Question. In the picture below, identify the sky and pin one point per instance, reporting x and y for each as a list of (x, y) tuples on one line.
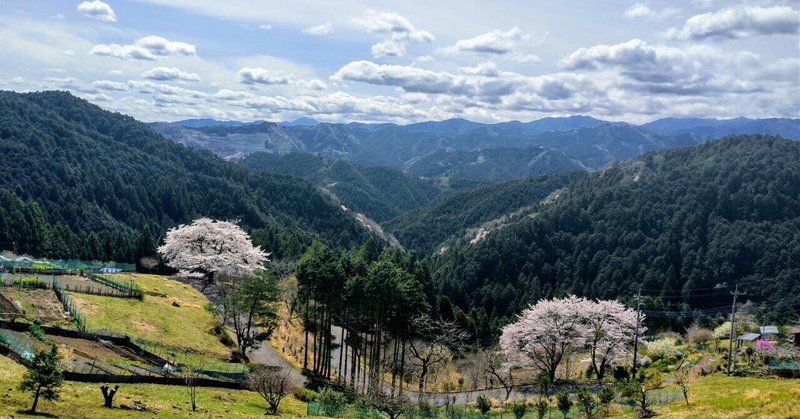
[(408, 61)]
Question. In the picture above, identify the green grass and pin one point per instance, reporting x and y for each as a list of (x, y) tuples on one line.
[(84, 400), (720, 396), (185, 329)]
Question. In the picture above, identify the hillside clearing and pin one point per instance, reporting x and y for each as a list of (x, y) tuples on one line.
[(179, 321)]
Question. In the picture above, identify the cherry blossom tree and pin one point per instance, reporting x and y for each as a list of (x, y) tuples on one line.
[(609, 327), (550, 330), (209, 248), (545, 333)]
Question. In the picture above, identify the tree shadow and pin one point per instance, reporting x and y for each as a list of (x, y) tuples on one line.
[(42, 414)]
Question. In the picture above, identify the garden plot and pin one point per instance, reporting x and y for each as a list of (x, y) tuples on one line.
[(38, 304), (8, 310)]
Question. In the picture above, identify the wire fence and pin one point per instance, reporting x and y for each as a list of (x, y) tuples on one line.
[(70, 308), (128, 288), (15, 345)]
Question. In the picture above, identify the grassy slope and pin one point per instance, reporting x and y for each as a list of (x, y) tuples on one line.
[(155, 319), (83, 400), (720, 396)]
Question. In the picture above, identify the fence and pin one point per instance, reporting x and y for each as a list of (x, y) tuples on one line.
[(26, 264), (128, 289), (16, 346), (69, 305)]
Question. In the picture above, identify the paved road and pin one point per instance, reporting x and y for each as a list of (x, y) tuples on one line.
[(265, 354)]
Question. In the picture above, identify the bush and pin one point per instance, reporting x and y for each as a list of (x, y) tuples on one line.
[(541, 408), (698, 336), (483, 403), (426, 410), (333, 402), (587, 401), (662, 348), (621, 373), (519, 409), (722, 331), (305, 395), (606, 396), (38, 333), (564, 403)]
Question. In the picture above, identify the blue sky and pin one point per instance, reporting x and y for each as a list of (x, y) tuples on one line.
[(402, 61)]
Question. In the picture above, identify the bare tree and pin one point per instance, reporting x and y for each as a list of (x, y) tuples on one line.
[(436, 341), (682, 377), (392, 405), (272, 384), (496, 365), (191, 376)]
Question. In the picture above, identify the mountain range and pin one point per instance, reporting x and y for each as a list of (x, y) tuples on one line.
[(455, 150)]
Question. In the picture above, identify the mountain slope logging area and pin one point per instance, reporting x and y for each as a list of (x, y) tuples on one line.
[(567, 267)]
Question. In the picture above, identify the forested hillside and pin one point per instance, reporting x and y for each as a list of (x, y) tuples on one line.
[(685, 225), (450, 217), (77, 181), (379, 192), (493, 164)]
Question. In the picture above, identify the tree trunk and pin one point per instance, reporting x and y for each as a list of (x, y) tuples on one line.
[(108, 395), (36, 399), (305, 349), (402, 366)]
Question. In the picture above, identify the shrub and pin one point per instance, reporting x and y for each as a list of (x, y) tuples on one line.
[(519, 409), (621, 373), (606, 396), (722, 331), (426, 410), (305, 395), (662, 348), (587, 401), (564, 403), (38, 333), (698, 336), (333, 402), (541, 408), (483, 403)]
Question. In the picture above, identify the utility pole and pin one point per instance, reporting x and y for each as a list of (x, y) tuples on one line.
[(731, 354), (636, 337)]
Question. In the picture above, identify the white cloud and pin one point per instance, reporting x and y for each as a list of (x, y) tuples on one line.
[(147, 48), (495, 42), (96, 9), (488, 69), (512, 45), (698, 70), (319, 30), (260, 75), (162, 90), (110, 85), (739, 22), (265, 26), (314, 84), (396, 29), (413, 79), (169, 73), (642, 10)]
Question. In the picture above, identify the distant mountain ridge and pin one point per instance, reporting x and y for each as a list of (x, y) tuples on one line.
[(589, 142)]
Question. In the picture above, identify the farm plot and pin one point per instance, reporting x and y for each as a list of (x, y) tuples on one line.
[(8, 310), (38, 304)]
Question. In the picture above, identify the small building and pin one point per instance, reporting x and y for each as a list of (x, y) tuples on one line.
[(769, 332), (746, 338), (794, 333)]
